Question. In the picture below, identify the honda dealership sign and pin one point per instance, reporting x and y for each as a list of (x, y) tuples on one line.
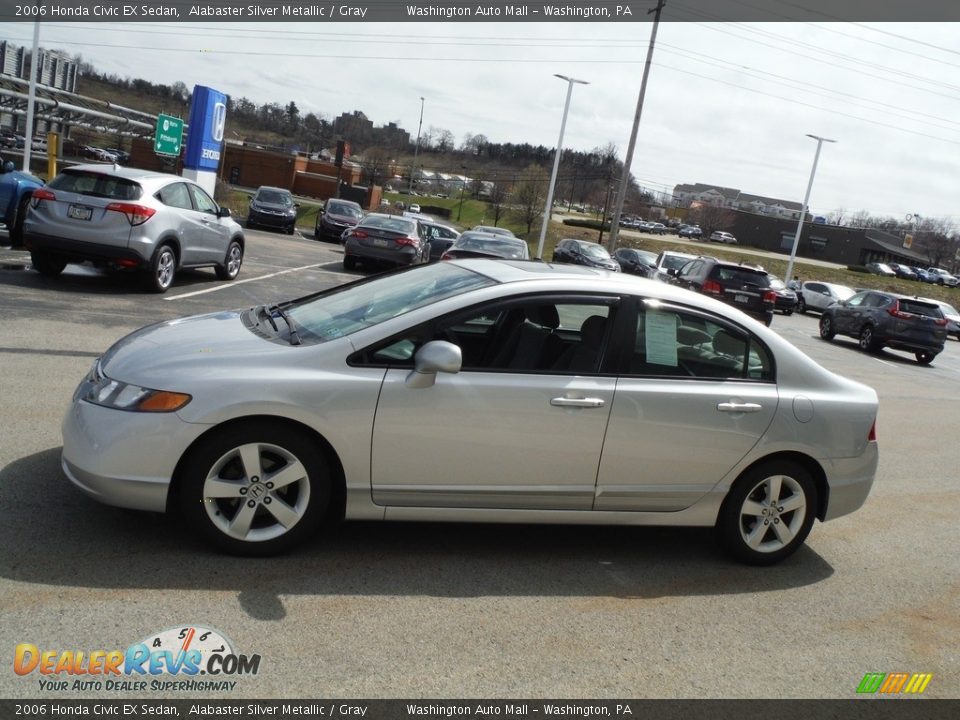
[(208, 115)]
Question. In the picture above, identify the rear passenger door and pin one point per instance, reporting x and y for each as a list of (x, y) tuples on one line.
[(694, 397), (188, 223)]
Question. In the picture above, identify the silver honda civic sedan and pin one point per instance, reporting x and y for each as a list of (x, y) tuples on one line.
[(480, 391)]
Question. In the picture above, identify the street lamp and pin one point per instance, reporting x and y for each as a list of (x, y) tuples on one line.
[(806, 199), (416, 149), (463, 186), (556, 161)]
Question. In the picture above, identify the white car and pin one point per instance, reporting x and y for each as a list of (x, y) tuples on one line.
[(414, 208), (942, 277), (475, 391), (818, 296), (722, 237)]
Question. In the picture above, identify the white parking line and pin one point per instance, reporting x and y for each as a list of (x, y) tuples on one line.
[(224, 286)]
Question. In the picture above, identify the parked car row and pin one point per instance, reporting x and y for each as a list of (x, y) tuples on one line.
[(932, 275)]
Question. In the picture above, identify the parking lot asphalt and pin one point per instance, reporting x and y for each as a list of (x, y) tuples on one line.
[(421, 610)]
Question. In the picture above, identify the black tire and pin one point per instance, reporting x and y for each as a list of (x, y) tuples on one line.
[(827, 330), (231, 262), (215, 462), (925, 358), (867, 341), (16, 227), (801, 305), (163, 269), (764, 539), (788, 313), (349, 262), (47, 264)]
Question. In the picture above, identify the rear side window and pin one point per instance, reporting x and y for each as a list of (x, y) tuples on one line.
[(175, 195), (97, 185)]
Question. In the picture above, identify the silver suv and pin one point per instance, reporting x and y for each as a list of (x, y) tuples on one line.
[(134, 219)]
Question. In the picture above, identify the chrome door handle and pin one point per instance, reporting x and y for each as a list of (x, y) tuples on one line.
[(732, 407), (577, 402)]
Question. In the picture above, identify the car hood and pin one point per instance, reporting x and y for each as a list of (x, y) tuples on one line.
[(186, 350), (342, 219)]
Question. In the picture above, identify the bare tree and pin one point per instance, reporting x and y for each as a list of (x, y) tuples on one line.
[(711, 217), (529, 195), (498, 196)]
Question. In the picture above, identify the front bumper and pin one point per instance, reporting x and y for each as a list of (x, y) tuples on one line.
[(271, 220), (120, 458)]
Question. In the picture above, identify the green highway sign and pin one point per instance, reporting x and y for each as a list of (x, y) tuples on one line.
[(169, 135)]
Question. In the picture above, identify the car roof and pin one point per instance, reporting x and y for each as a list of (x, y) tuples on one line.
[(123, 171), (275, 189)]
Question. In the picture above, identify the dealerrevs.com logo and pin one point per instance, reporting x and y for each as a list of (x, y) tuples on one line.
[(894, 683), (189, 658)]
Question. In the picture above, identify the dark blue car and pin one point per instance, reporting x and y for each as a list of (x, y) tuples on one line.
[(15, 190)]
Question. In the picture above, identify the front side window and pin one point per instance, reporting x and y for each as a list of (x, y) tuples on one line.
[(671, 342), (536, 335), (201, 201)]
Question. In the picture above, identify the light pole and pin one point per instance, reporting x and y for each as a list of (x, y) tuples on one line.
[(556, 162), (806, 199), (463, 186), (416, 149)]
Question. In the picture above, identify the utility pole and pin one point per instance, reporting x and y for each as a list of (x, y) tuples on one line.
[(416, 150), (625, 177), (31, 99)]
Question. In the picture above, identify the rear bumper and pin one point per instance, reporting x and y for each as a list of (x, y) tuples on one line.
[(850, 480), (406, 256), (79, 250)]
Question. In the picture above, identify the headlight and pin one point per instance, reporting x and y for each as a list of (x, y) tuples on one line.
[(101, 390)]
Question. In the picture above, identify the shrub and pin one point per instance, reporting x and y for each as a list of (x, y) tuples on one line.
[(858, 268)]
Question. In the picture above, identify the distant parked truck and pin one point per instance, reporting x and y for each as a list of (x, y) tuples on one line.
[(942, 277)]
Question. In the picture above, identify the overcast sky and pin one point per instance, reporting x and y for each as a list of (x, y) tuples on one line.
[(727, 103)]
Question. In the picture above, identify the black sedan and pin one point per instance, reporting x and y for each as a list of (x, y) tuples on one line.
[(385, 239), (786, 300), (273, 207), (584, 252), (474, 244), (637, 262), (336, 217)]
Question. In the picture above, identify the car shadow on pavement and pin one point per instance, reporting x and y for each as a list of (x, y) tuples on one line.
[(54, 535), (884, 354)]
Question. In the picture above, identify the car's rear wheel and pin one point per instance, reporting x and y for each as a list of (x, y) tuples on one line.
[(827, 330), (925, 358), (163, 268), (256, 488), (231, 264), (868, 343), (16, 227), (768, 513), (46, 264)]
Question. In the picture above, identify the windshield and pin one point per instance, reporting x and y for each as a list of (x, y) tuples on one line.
[(494, 246), (349, 308), (275, 197), (675, 262), (595, 251), (842, 292), (343, 209), (776, 283)]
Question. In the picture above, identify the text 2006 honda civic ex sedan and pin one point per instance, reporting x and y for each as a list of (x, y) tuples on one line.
[(475, 390)]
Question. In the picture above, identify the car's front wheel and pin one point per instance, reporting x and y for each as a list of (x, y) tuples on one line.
[(768, 513), (827, 330), (163, 268), (232, 262), (256, 488)]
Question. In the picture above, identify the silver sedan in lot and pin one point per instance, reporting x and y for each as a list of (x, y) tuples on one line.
[(475, 390)]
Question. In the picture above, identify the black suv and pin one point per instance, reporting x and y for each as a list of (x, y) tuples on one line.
[(745, 288), (584, 252), (882, 319)]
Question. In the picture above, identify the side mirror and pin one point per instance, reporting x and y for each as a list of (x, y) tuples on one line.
[(673, 271), (296, 205), (224, 212), (436, 356), (321, 211)]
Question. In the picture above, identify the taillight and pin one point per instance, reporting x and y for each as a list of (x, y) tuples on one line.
[(897, 312), (412, 242), (446, 256), (42, 194), (942, 322), (770, 296), (358, 234), (872, 435), (136, 214), (713, 287)]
